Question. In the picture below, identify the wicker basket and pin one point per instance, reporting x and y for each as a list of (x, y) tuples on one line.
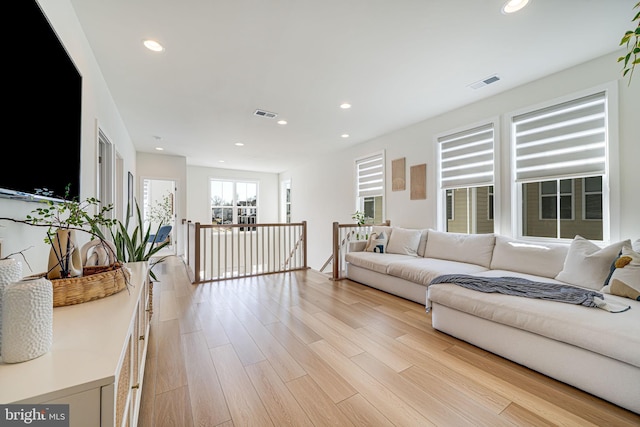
[(95, 283)]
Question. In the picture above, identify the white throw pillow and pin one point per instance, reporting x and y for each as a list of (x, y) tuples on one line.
[(404, 241), (470, 248), (625, 280), (377, 242), (540, 259), (587, 264)]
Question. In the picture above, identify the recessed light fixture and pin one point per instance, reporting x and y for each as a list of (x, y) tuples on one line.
[(239, 144), (153, 45), (220, 161), (512, 6), (345, 105), (345, 135), (282, 122), (159, 148)]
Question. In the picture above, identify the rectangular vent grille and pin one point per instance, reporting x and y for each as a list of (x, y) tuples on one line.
[(263, 113), (484, 82)]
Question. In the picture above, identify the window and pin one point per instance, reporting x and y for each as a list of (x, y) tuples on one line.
[(234, 202), (560, 162), (285, 197), (370, 187), (466, 172)]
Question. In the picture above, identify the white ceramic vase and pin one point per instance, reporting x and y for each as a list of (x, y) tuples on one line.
[(10, 271), (27, 320)]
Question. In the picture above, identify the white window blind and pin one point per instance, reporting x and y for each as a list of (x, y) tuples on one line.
[(564, 140), (466, 158), (370, 172)]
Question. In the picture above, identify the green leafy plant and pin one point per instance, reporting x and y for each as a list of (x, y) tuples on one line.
[(359, 217), (631, 40), (133, 247), (68, 214), (161, 212)]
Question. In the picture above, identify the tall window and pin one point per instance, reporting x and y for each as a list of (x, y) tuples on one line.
[(234, 202), (466, 179), (560, 164), (285, 199), (370, 187)]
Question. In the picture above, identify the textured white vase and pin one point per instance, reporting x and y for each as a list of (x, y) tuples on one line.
[(27, 320), (10, 271)]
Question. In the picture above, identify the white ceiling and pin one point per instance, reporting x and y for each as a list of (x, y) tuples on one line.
[(396, 61)]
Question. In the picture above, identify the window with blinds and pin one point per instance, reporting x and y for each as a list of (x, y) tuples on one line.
[(370, 179), (564, 140), (560, 160), (466, 171)]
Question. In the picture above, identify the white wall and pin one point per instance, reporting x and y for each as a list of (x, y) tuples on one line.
[(323, 191), (98, 109)]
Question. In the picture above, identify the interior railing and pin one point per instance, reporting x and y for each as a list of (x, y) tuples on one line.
[(215, 252), (344, 235)]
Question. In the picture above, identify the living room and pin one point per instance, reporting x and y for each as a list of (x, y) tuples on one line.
[(323, 189)]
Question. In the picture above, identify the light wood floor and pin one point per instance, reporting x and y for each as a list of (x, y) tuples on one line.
[(301, 350)]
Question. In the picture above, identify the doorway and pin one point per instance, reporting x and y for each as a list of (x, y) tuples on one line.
[(159, 196)]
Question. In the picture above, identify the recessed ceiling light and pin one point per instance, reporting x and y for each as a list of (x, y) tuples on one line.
[(514, 6), (153, 45), (220, 161), (345, 106), (282, 122), (345, 135), (159, 148), (239, 144)]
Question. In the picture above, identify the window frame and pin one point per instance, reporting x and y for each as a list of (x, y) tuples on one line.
[(360, 199), (610, 179), (234, 200), (441, 199)]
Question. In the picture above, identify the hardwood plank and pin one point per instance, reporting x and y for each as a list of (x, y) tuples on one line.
[(245, 405), (397, 410), (172, 409), (187, 316), (324, 376), (170, 362), (208, 406), (278, 400), (522, 417), (242, 342), (319, 407), (362, 413), (147, 399), (211, 327)]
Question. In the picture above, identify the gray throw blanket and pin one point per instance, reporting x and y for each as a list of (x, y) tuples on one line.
[(530, 289)]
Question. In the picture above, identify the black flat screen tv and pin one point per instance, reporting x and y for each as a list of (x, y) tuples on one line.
[(43, 108)]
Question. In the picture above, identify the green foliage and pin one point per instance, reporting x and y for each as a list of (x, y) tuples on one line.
[(133, 247), (631, 40), (161, 212), (359, 218)]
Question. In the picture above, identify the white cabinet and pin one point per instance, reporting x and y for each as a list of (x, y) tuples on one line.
[(96, 363)]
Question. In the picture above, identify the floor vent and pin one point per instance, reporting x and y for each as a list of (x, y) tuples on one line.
[(484, 82), (263, 113)]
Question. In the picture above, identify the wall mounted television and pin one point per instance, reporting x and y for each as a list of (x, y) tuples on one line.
[(42, 95)]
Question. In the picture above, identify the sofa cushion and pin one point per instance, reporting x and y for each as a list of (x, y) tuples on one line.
[(587, 264), (404, 241), (423, 241), (539, 259), (625, 280), (374, 261), (468, 248), (424, 270), (616, 335)]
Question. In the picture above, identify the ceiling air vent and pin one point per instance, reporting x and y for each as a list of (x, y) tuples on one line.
[(263, 113), (484, 82)]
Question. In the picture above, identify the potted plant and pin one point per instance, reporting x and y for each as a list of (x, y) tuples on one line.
[(133, 246), (631, 40), (62, 219)]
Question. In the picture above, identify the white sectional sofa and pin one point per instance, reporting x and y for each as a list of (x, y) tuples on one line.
[(590, 348)]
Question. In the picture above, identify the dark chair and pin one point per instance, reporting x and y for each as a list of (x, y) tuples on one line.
[(162, 235)]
